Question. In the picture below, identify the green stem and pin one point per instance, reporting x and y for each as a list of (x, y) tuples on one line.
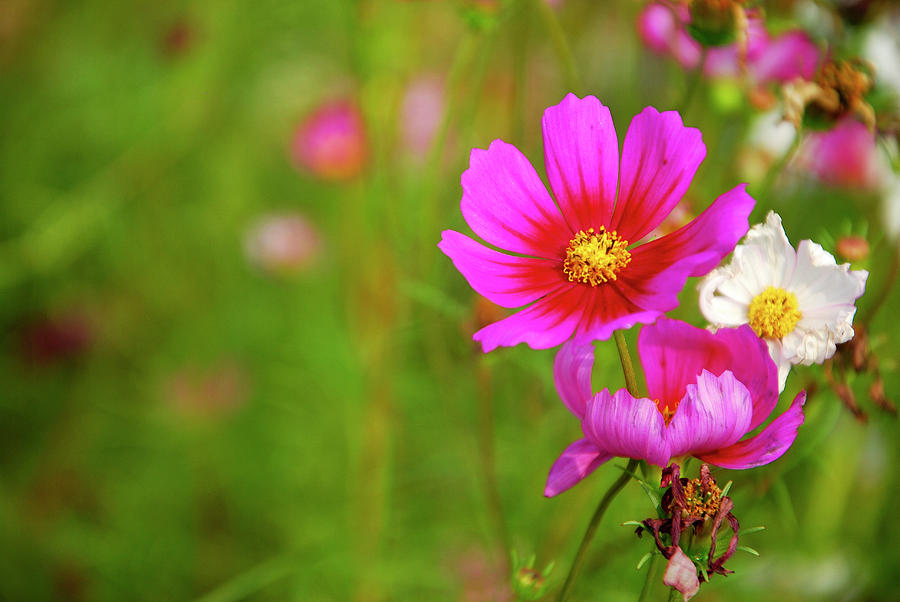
[(611, 493), (885, 289), (692, 84), (618, 484), (648, 580), (560, 45), (776, 169), (625, 359), (487, 459)]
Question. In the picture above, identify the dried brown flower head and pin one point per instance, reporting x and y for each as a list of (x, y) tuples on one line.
[(838, 90)]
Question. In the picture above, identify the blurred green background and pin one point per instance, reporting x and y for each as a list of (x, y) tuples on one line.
[(179, 422)]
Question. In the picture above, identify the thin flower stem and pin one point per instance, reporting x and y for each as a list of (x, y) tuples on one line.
[(627, 366), (618, 484), (885, 289), (560, 45), (673, 594), (776, 169), (692, 84), (487, 459), (611, 493), (648, 580)]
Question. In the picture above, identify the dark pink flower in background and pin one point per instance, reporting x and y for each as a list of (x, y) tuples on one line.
[(283, 243), (331, 142), (51, 339), (706, 391), (575, 263), (768, 59), (845, 156)]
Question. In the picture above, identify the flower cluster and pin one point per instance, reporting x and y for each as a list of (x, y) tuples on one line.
[(583, 261)]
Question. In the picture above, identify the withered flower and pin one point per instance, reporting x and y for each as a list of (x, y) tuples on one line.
[(697, 504), (856, 355), (838, 89)]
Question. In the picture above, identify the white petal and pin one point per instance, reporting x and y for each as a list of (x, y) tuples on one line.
[(723, 301)]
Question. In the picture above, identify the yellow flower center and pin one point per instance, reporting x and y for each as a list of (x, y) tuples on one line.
[(593, 257), (774, 313), (699, 503)]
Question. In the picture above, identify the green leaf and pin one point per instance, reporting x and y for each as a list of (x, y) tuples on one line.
[(748, 549), (644, 560)]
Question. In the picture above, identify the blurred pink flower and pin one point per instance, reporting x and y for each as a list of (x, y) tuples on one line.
[(421, 114), (283, 243), (662, 26), (846, 156), (331, 141), (705, 392), (578, 273)]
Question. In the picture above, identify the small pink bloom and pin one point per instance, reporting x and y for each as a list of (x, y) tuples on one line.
[(706, 391), (572, 262), (283, 243), (421, 114), (779, 59), (331, 142), (846, 156)]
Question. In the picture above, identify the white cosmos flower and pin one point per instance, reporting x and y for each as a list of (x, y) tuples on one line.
[(801, 302)]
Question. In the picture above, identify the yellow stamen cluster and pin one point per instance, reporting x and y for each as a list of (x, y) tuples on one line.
[(704, 505), (594, 257), (774, 313)]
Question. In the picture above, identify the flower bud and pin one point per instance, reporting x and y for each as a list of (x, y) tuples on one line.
[(716, 22), (852, 247)]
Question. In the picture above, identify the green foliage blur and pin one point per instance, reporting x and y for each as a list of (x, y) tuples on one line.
[(178, 422)]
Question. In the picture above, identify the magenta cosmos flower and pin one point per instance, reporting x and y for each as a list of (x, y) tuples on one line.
[(576, 264), (769, 59), (706, 391), (331, 142)]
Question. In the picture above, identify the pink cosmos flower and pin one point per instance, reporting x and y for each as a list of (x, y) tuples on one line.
[(706, 391), (778, 59), (331, 142), (845, 156), (574, 263)]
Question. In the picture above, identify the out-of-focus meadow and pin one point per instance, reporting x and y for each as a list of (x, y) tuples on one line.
[(228, 375)]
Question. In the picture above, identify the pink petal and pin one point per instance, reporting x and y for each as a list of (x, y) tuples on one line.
[(544, 324), (578, 461), (607, 308), (659, 268), (504, 279), (581, 154), (659, 160), (624, 426), (790, 55), (674, 354), (572, 375), (682, 575), (506, 204), (713, 414), (748, 357), (767, 446), (723, 61), (663, 32)]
